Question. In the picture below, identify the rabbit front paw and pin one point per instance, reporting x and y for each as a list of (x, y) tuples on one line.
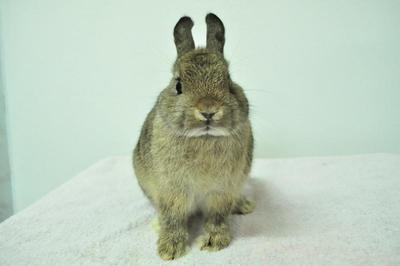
[(170, 247), (214, 241)]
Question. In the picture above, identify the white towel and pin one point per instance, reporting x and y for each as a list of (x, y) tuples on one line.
[(310, 211)]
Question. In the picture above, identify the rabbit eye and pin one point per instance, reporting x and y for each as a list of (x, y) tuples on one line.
[(178, 86)]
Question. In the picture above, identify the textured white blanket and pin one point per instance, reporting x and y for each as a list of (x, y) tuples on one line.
[(310, 211)]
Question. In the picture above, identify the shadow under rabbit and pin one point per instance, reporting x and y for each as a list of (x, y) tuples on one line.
[(271, 217)]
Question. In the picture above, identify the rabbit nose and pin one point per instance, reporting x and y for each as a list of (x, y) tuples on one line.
[(208, 116)]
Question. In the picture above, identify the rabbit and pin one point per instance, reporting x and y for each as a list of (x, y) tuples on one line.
[(195, 148)]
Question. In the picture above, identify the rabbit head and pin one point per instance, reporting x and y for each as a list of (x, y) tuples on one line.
[(201, 99)]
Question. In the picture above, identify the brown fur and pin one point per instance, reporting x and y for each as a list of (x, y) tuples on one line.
[(181, 167)]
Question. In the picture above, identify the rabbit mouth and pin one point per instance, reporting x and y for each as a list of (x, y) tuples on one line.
[(208, 130)]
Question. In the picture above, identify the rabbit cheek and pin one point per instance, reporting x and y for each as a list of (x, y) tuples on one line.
[(176, 120), (218, 115)]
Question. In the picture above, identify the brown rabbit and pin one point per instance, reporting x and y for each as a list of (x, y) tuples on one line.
[(195, 148)]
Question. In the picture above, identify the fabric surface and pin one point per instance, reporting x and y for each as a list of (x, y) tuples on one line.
[(310, 211)]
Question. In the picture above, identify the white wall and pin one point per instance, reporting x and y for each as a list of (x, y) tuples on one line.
[(323, 77)]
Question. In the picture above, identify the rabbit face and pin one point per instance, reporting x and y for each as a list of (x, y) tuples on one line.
[(201, 99)]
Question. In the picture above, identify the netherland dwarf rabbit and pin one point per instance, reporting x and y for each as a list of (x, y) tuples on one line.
[(196, 145)]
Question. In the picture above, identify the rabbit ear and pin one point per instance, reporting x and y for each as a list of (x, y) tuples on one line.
[(183, 35), (215, 33)]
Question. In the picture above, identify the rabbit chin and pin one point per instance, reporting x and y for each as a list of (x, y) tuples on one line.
[(208, 131)]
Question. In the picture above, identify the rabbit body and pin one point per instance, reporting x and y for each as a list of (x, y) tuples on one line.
[(195, 149), (166, 164)]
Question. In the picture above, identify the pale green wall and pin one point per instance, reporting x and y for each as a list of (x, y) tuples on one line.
[(6, 202), (323, 77)]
